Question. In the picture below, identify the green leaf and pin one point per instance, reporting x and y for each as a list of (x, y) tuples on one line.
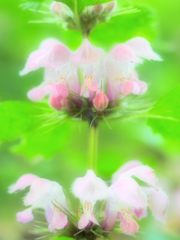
[(16, 118), (124, 26), (164, 118), (41, 131)]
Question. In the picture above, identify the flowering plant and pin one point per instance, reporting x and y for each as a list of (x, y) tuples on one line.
[(90, 84), (134, 189)]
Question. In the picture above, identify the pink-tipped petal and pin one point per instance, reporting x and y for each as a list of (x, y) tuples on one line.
[(143, 49), (124, 53), (84, 221), (58, 89), (133, 87), (128, 225), (100, 101), (25, 216), (56, 219), (37, 94), (51, 54), (126, 193), (22, 183)]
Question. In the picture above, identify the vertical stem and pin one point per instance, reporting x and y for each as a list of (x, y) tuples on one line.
[(93, 148)]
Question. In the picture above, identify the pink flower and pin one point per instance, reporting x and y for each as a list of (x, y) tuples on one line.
[(134, 191), (89, 189), (128, 199), (89, 73), (43, 194)]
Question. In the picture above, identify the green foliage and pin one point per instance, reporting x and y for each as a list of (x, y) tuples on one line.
[(164, 118), (40, 130), (136, 21)]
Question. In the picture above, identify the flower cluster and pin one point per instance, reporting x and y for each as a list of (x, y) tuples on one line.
[(134, 190), (88, 83)]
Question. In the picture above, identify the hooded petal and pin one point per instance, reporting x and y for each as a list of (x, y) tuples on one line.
[(51, 54), (87, 53), (126, 193), (143, 49), (90, 188), (142, 172), (22, 183)]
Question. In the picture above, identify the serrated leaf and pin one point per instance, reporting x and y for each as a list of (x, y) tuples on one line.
[(164, 118)]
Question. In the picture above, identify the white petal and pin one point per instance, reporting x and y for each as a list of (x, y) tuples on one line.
[(90, 188)]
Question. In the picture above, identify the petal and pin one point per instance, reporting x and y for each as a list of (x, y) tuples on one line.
[(128, 225), (56, 219), (86, 220), (126, 193), (22, 183), (110, 218), (158, 203), (37, 93), (83, 222), (25, 216), (43, 192), (136, 169), (90, 188), (87, 53), (51, 54), (126, 167), (143, 49), (58, 90), (124, 53)]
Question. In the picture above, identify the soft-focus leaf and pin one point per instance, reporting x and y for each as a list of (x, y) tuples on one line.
[(164, 118), (41, 130)]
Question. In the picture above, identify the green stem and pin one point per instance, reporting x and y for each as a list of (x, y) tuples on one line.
[(93, 147)]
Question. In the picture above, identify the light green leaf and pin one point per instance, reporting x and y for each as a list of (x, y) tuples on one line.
[(41, 131), (164, 118)]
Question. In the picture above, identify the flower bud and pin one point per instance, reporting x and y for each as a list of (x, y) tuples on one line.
[(100, 101), (56, 7), (109, 7)]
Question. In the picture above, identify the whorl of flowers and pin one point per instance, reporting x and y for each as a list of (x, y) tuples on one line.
[(133, 191), (88, 83)]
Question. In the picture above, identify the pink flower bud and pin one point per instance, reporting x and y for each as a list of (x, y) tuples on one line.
[(57, 102), (100, 101), (56, 7)]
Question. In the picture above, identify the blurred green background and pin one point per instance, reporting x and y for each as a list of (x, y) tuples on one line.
[(122, 141)]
